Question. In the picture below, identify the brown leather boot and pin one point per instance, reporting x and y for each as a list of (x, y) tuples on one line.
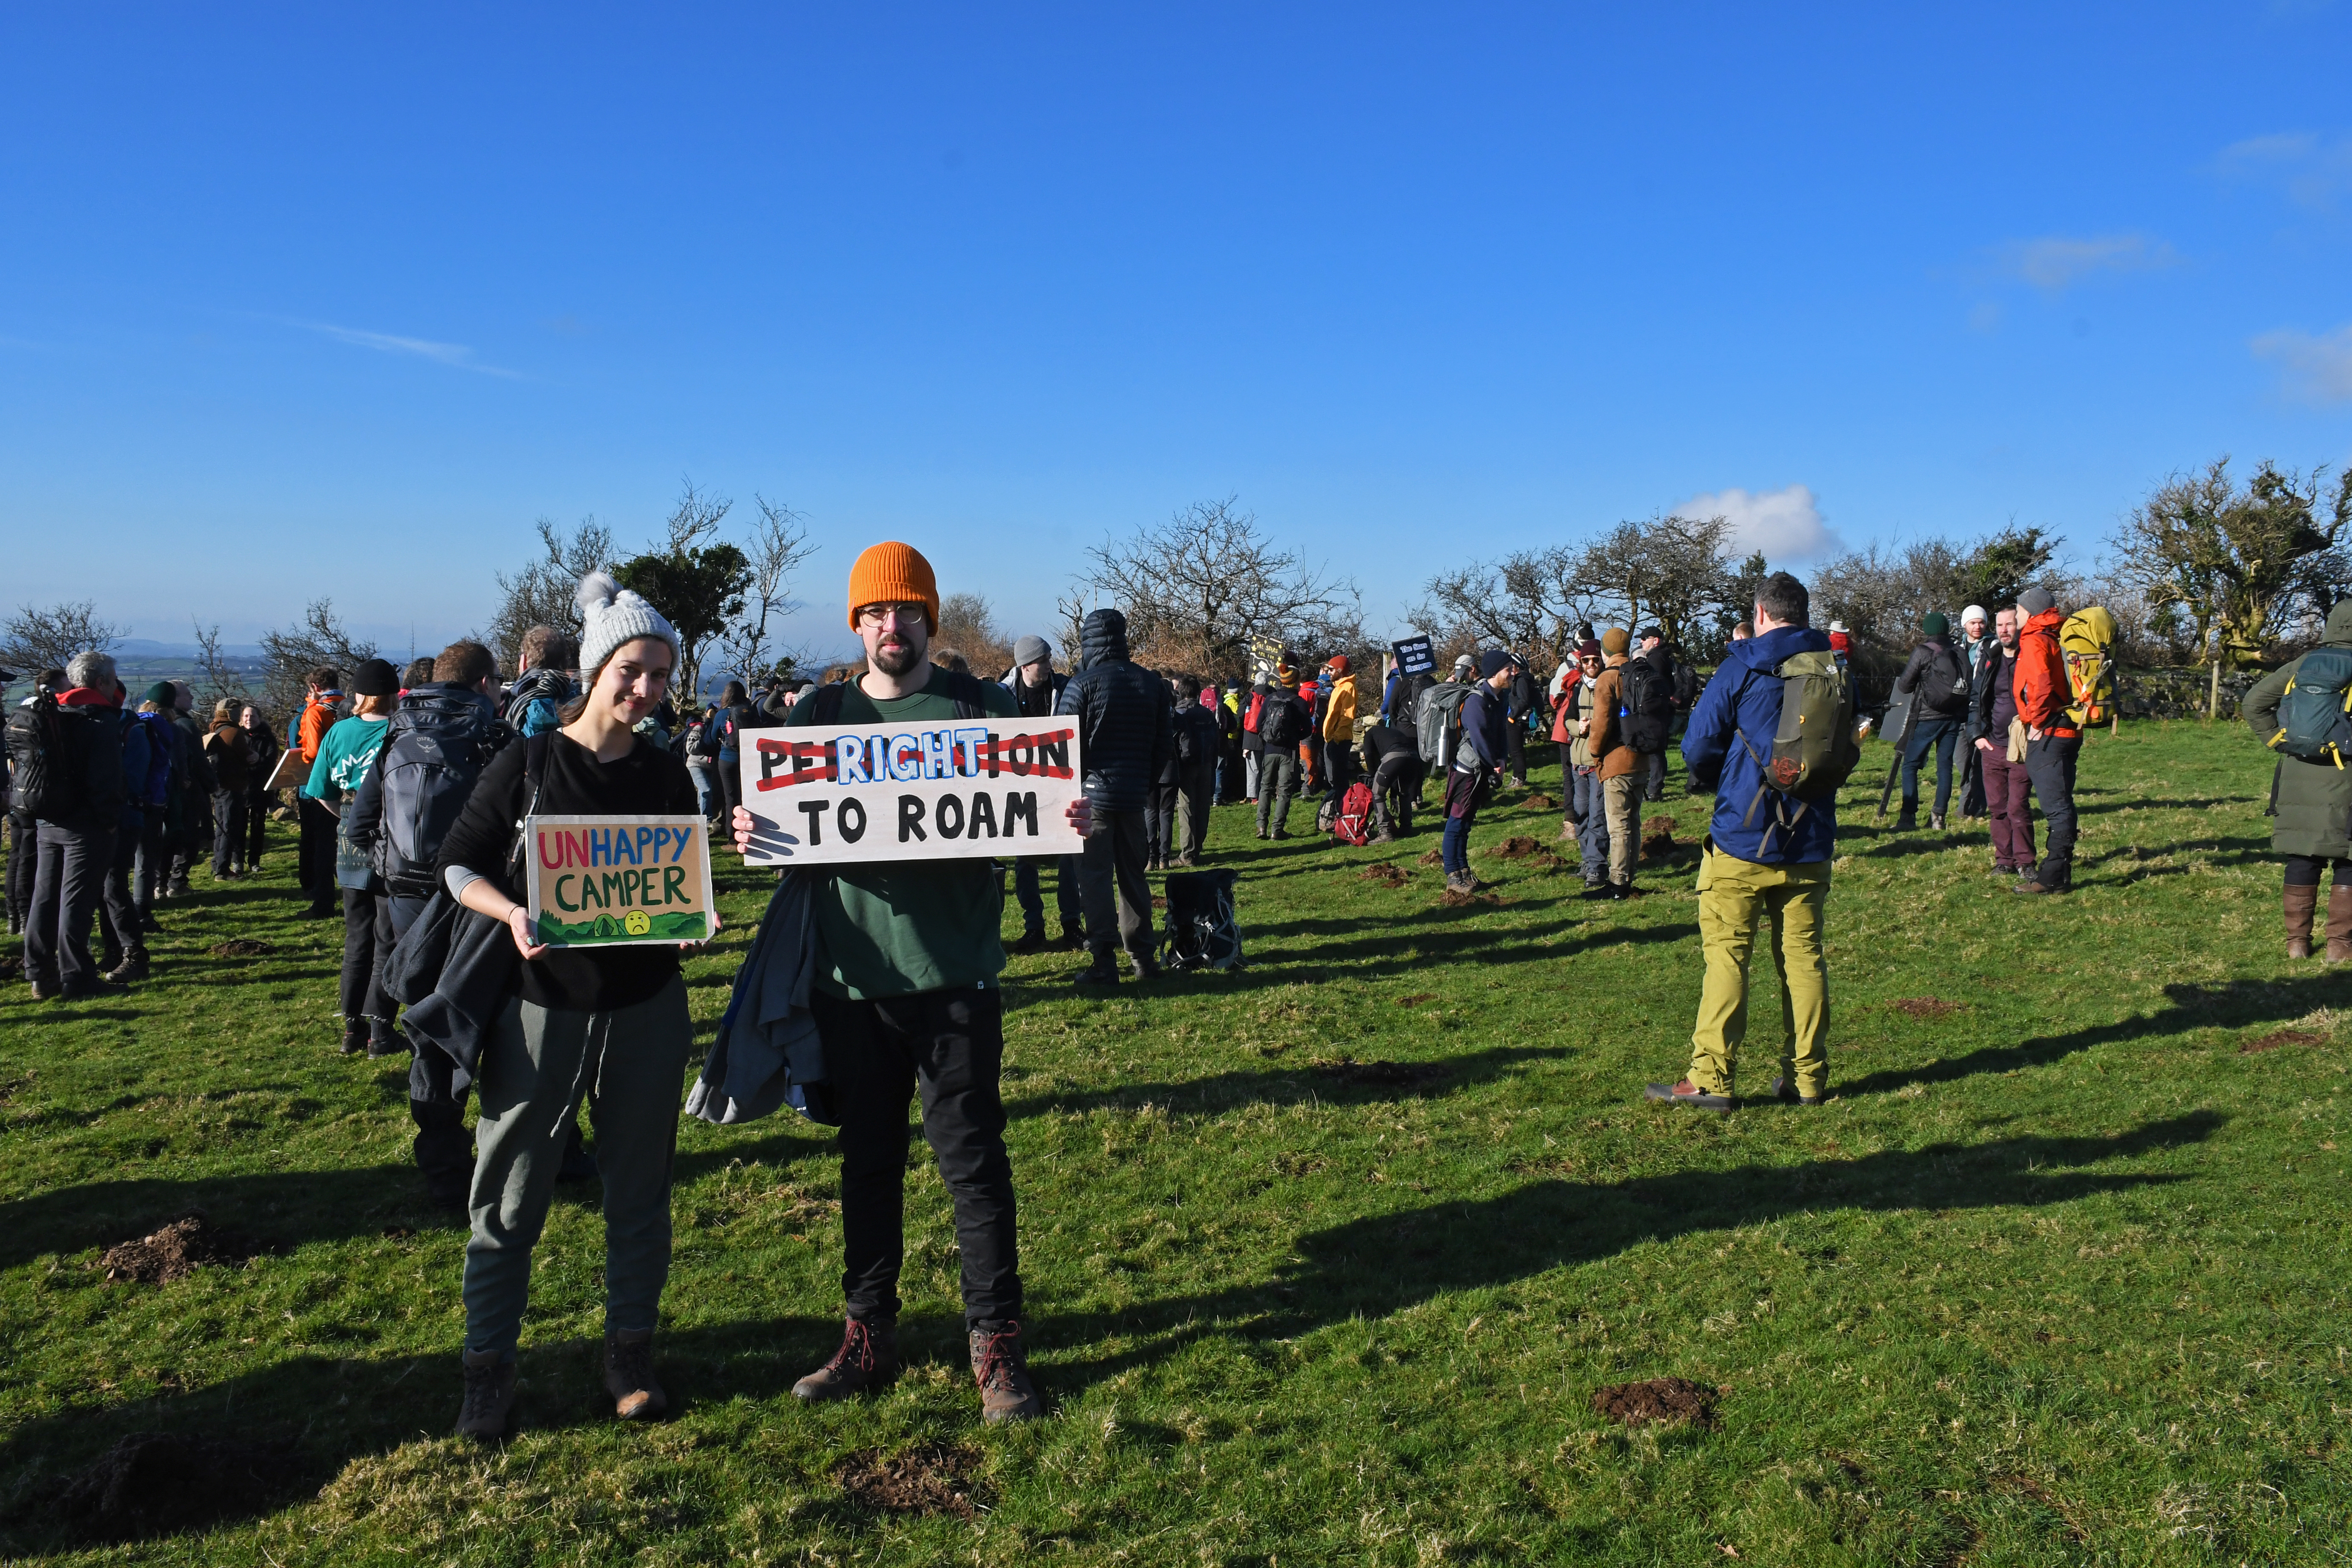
[(1001, 1367), (629, 1375), (869, 1358), (2301, 902), (2340, 924), (489, 1396)]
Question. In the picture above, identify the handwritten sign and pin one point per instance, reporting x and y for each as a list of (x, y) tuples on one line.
[(951, 789), (610, 881), (1415, 656)]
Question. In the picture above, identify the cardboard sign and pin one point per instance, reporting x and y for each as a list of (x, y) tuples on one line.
[(610, 881), (1415, 656), (291, 772), (950, 789)]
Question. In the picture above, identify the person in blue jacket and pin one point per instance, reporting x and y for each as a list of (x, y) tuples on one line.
[(1757, 864)]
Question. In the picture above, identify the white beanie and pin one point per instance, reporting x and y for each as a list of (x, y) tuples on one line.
[(610, 615)]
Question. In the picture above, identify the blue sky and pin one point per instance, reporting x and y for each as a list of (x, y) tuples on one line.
[(305, 300)]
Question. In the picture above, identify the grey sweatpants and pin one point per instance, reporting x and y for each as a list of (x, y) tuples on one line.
[(632, 1064)]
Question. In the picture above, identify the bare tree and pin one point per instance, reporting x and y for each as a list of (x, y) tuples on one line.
[(1669, 570), (1197, 589), (968, 626), (779, 547), (44, 636), (220, 677), (288, 657), (540, 594), (1529, 601)]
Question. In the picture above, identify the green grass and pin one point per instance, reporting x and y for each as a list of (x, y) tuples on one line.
[(2058, 1277)]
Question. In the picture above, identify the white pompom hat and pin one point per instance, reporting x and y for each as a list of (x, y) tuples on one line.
[(610, 615)]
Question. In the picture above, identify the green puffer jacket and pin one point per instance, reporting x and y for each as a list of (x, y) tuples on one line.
[(2314, 799)]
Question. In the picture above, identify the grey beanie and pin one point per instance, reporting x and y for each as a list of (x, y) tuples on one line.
[(1030, 649), (610, 615), (2036, 600)]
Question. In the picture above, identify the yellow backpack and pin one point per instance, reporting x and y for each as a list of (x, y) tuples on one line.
[(2087, 638)]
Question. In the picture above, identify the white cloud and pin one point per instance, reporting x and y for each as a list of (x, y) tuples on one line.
[(457, 356), (2313, 171), (1786, 524), (2317, 367), (2054, 261)]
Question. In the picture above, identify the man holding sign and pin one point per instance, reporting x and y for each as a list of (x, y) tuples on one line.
[(888, 818)]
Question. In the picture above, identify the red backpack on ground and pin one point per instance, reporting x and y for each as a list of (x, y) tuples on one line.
[(1353, 824)]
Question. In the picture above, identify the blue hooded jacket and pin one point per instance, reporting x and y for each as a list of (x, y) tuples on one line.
[(1718, 759)]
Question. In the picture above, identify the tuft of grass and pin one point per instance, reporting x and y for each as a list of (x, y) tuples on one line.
[(1328, 1260)]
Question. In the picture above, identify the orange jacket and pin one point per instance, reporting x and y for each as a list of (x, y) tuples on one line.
[(2039, 683), (317, 720)]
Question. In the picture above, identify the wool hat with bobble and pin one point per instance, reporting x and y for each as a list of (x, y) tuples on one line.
[(611, 616), (894, 574)]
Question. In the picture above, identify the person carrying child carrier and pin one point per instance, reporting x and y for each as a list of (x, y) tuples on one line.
[(2300, 711), (1773, 737)]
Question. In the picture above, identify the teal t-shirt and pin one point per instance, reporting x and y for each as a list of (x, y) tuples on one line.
[(345, 754), (894, 929)]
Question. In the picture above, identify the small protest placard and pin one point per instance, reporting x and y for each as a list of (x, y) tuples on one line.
[(290, 773), (948, 790), (1415, 656), (609, 881)]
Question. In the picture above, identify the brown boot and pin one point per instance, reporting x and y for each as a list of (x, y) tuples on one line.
[(2300, 904), (1001, 1367), (869, 1358), (489, 1396), (629, 1375), (2340, 924)]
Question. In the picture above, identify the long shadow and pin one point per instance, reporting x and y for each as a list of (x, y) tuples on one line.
[(2123, 803), (278, 1208), (1355, 1085), (2226, 1005)]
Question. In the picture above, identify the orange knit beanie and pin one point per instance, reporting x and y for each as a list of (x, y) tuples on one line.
[(894, 574)]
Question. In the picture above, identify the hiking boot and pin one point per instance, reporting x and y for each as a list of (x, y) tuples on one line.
[(132, 967), (1073, 939), (629, 1375), (385, 1038), (43, 990), (2301, 904), (1687, 1093), (1461, 882), (1145, 966), (355, 1039), (1936, 821), (1907, 822), (869, 1358), (180, 890), (1282, 832), (489, 1396), (2035, 885), (2340, 924), (1786, 1093), (1001, 1366), (1103, 971), (1383, 836), (321, 912), (1619, 891), (1031, 941), (148, 924)]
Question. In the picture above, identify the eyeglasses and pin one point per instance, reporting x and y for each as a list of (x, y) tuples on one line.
[(874, 615)]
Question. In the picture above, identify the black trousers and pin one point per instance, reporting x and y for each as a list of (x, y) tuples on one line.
[(228, 828), (949, 1046), (1192, 798), (257, 825), (23, 852), (1159, 821), (151, 860), (2050, 764), (1396, 784), (71, 876), (316, 864), (2302, 870), (1514, 748), (120, 938), (1339, 767), (367, 952), (1112, 884)]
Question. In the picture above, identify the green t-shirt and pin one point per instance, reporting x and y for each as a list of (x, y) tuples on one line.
[(894, 929), (345, 755)]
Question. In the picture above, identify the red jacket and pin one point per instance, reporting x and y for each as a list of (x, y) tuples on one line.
[(2040, 682)]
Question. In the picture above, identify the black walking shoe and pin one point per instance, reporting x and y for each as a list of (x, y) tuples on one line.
[(869, 1358), (1031, 941), (1146, 967), (354, 1040), (1786, 1093), (489, 1396), (1687, 1093)]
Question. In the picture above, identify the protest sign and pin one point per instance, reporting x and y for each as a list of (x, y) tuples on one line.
[(1415, 656), (609, 881), (947, 789), (290, 773)]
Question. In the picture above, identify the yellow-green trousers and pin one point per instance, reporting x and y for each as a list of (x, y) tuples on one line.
[(1734, 897)]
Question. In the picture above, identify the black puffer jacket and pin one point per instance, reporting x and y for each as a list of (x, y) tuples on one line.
[(1935, 669), (1123, 713)]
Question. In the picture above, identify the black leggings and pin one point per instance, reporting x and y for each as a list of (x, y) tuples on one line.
[(2303, 872)]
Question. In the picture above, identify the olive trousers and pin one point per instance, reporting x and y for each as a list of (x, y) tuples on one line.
[(1734, 897)]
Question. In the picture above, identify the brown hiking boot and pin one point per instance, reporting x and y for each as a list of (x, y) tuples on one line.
[(2340, 924), (1001, 1367), (869, 1358), (629, 1375), (2301, 903), (132, 967), (489, 1396)]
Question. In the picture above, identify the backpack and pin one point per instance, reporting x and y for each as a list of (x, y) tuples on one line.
[(1943, 686), (426, 770), (1352, 824), (154, 791), (1813, 749), (1202, 932), (970, 694), (41, 761), (1188, 739), (1280, 722), (1437, 714), (2316, 715), (2087, 638), (1647, 714)]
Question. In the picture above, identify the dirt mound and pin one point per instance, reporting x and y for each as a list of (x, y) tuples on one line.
[(1434, 858), (243, 947), (929, 1477), (1379, 1075), (2278, 1038), (1416, 999), (1394, 876), (1516, 848), (176, 1251), (1658, 838), (1542, 803), (1926, 1006), (1455, 898), (152, 1482), (1661, 1399)]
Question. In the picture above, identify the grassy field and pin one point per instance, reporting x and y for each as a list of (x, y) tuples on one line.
[(1326, 1259)]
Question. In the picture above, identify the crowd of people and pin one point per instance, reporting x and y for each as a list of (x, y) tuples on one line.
[(411, 786)]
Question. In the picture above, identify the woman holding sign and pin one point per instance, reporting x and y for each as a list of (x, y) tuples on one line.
[(601, 1018)]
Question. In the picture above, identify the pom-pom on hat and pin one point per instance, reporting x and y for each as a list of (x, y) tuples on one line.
[(894, 574), (610, 615)]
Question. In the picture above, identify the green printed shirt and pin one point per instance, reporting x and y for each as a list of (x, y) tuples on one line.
[(895, 929), (344, 757)]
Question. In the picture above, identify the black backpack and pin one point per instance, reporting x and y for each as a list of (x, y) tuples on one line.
[(1202, 931), (1646, 715), (431, 759), (58, 767), (1279, 725)]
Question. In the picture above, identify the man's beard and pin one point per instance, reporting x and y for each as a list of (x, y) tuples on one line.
[(898, 661)]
